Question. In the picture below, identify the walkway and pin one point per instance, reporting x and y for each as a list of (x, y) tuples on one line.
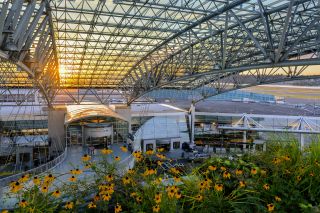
[(73, 161)]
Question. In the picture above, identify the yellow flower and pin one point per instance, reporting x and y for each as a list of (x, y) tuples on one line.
[(91, 205), (24, 178), (76, 172), (277, 198), (174, 171), (23, 203), (178, 195), (149, 172), (69, 205), (177, 179), (311, 174), (72, 179), (171, 193), (239, 172), (49, 178), (218, 187), (136, 154), (226, 175), (162, 157), (96, 198), (160, 149), (212, 168), (117, 158), (157, 197), (126, 180), (118, 208), (266, 186), (4, 211), (133, 194), (276, 161), (36, 181), (86, 158), (298, 178), (109, 178), (242, 184), (87, 166), (56, 193), (106, 151), (139, 199), (124, 149), (149, 152), (270, 207), (254, 171), (106, 197), (44, 189), (159, 163), (223, 168), (130, 171), (156, 208), (199, 197), (15, 187), (287, 158)]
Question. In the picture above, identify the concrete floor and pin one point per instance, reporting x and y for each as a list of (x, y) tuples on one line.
[(73, 161)]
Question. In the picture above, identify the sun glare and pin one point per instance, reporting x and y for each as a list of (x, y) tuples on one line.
[(62, 71)]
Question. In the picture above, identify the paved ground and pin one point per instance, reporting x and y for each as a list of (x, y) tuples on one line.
[(72, 161)]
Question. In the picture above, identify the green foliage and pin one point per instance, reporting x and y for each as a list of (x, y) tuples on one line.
[(283, 179)]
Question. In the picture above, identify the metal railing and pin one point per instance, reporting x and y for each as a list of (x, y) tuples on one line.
[(35, 171)]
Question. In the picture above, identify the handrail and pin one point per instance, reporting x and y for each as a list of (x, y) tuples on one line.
[(38, 170)]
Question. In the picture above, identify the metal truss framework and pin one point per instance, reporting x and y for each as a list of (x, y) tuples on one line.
[(105, 49), (28, 56)]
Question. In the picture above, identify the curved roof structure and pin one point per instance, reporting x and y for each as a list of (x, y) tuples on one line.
[(135, 46)]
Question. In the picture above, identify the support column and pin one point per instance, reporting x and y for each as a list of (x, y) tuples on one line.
[(112, 133), (192, 119), (244, 139), (302, 141), (83, 139)]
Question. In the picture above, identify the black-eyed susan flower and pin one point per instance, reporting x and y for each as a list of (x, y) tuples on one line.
[(139, 199), (126, 180), (171, 193), (56, 193), (174, 171), (76, 171), (106, 197), (254, 171), (86, 158), (87, 166), (91, 205), (226, 175), (24, 178), (199, 198), (242, 184), (49, 178), (96, 198), (160, 149), (106, 151), (109, 178), (4, 211), (298, 178), (158, 197), (149, 152), (178, 195), (136, 154), (287, 158), (218, 187), (118, 208), (270, 207), (72, 178), (159, 163), (44, 189), (133, 194), (212, 168), (124, 148), (130, 171), (239, 172), (266, 186), (161, 156), (16, 187), (177, 179), (23, 203), (276, 160), (149, 172), (277, 198), (223, 168), (156, 208), (117, 158), (36, 180), (68, 205)]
